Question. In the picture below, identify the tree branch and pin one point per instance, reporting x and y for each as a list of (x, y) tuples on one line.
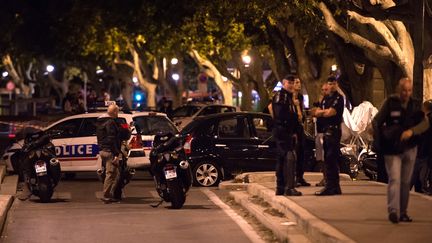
[(385, 34), (118, 60), (353, 38)]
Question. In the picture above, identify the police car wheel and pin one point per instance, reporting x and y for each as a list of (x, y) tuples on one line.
[(207, 174)]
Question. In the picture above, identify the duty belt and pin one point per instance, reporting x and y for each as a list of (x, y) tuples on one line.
[(332, 127)]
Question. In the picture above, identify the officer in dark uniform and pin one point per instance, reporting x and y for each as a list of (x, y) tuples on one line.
[(285, 122), (331, 111)]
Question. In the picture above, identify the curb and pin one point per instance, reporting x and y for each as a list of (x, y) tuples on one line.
[(283, 228), (2, 172), (318, 230), (5, 204)]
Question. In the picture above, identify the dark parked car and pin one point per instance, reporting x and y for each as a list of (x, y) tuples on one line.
[(184, 114), (220, 145)]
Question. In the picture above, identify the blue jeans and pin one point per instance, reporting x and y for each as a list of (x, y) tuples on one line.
[(399, 169)]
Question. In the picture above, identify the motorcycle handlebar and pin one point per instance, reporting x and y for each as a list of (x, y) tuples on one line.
[(39, 142)]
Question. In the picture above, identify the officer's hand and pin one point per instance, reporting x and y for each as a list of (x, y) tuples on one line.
[(313, 111), (407, 134)]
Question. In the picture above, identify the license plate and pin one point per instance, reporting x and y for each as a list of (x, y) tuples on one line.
[(40, 168), (169, 174)]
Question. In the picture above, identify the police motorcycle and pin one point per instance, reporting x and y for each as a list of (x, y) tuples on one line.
[(368, 163), (349, 163), (170, 169), (125, 173), (45, 173)]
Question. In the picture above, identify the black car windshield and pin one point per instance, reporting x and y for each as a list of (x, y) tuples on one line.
[(185, 111), (151, 125)]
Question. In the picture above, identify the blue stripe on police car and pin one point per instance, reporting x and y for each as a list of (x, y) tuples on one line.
[(77, 150)]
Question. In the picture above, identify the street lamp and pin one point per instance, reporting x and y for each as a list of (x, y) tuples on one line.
[(334, 68), (50, 68), (174, 61), (246, 60), (5, 74), (175, 76)]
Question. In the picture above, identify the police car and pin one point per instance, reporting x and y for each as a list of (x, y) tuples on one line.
[(76, 146)]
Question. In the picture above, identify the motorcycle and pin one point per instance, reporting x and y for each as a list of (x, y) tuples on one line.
[(349, 164), (39, 152), (170, 169), (368, 163)]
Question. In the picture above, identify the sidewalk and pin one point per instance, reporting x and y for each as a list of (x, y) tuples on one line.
[(359, 214)]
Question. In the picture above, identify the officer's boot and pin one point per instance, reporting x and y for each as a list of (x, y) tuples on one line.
[(323, 180), (25, 190)]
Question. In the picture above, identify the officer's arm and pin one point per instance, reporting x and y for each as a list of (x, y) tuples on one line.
[(270, 108), (325, 112)]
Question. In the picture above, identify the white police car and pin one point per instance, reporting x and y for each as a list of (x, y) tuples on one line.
[(76, 144)]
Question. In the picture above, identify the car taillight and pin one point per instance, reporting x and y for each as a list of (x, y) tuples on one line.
[(136, 142), (188, 144)]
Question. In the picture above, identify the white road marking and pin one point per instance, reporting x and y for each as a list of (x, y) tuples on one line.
[(245, 226)]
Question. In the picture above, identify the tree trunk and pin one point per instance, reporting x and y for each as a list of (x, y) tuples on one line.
[(396, 45), (224, 86), (312, 84), (143, 79), (17, 76), (246, 90)]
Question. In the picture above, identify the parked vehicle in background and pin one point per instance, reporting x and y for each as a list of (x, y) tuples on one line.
[(76, 146), (183, 115), (220, 145)]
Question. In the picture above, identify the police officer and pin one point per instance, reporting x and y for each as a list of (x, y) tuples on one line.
[(331, 111), (286, 120), (299, 104)]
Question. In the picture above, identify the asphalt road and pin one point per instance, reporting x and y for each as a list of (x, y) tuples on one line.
[(77, 215)]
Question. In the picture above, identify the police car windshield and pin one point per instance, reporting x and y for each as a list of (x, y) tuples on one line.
[(151, 125)]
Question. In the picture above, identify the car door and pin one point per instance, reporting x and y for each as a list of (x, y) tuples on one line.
[(62, 135), (264, 147), (233, 142), (83, 148)]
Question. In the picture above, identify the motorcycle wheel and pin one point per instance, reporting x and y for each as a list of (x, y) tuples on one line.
[(177, 195), (45, 189), (350, 166)]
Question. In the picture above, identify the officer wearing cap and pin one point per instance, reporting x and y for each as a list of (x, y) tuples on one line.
[(330, 113), (286, 120)]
